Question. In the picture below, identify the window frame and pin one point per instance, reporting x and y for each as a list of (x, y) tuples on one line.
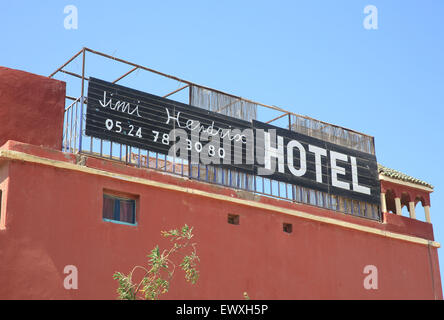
[(233, 219), (119, 196)]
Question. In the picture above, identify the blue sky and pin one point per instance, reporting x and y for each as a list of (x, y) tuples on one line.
[(311, 57)]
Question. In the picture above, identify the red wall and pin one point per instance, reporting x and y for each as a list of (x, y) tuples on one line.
[(54, 219), (31, 108)]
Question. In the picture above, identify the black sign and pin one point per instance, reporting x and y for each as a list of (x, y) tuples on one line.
[(157, 124)]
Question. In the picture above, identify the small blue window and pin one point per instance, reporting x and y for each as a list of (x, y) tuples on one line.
[(117, 209)]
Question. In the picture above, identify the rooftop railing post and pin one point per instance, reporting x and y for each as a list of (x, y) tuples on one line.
[(82, 101), (81, 125)]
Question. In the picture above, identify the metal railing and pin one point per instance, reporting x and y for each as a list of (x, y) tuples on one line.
[(75, 141), (71, 127)]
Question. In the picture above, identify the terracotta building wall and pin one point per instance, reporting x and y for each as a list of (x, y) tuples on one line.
[(54, 219), (31, 108)]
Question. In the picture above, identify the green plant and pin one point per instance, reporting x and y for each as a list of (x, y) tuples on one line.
[(161, 268)]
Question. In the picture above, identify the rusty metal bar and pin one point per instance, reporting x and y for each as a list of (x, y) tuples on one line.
[(73, 74), (281, 116), (180, 80), (71, 98), (137, 65), (123, 76), (66, 63), (218, 91), (169, 94)]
